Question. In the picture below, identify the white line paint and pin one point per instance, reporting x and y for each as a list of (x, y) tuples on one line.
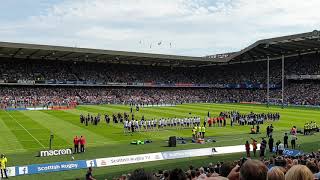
[(26, 130)]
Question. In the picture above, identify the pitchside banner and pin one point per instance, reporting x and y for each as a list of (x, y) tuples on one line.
[(113, 161), (53, 167), (11, 171), (121, 160), (187, 153), (290, 152)]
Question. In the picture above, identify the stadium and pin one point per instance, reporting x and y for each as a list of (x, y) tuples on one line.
[(47, 92), (75, 113)]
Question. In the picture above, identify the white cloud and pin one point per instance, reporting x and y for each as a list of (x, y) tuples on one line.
[(194, 27)]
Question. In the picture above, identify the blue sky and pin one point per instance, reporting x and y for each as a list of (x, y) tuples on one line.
[(192, 27)]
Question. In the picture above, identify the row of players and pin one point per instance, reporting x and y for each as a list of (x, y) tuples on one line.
[(147, 125), (243, 119), (94, 120)]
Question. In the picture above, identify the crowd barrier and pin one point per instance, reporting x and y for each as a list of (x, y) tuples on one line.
[(130, 159)]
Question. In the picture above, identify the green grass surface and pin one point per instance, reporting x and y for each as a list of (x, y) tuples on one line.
[(24, 133)]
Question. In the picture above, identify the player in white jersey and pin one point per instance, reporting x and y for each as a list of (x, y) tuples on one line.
[(165, 123), (129, 125), (160, 124), (187, 122), (198, 121), (145, 125), (155, 122), (149, 124), (137, 125), (125, 126)]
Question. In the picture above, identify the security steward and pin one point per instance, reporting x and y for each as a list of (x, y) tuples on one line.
[(203, 131), (3, 164)]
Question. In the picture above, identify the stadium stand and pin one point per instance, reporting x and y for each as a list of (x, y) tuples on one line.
[(225, 83), (40, 75)]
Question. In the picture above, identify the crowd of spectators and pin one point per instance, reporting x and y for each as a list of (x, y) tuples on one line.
[(254, 72), (305, 167), (298, 93), (20, 96)]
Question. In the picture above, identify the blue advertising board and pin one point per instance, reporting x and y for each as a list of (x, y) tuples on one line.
[(53, 167), (290, 152)]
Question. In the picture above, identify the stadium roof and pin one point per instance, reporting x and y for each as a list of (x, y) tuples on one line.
[(33, 51), (274, 48)]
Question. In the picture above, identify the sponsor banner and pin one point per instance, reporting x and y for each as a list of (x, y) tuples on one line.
[(184, 85), (233, 149), (187, 153), (16, 109), (148, 84), (116, 84), (53, 167), (204, 152), (290, 152), (91, 163), (71, 82), (22, 170), (219, 56), (81, 82), (301, 77), (121, 160), (57, 152), (100, 83), (38, 108), (113, 161), (11, 171), (61, 82), (216, 85), (29, 82)]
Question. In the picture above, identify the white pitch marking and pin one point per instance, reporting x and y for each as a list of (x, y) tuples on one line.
[(26, 130)]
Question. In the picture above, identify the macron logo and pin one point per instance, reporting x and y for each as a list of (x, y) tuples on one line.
[(55, 152)]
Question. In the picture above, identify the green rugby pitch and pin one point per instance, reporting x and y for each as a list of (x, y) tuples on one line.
[(24, 133)]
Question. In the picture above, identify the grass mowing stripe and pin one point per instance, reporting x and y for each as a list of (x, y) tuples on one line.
[(160, 112), (223, 135), (283, 113), (8, 140), (264, 108), (61, 128), (119, 128), (26, 130)]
